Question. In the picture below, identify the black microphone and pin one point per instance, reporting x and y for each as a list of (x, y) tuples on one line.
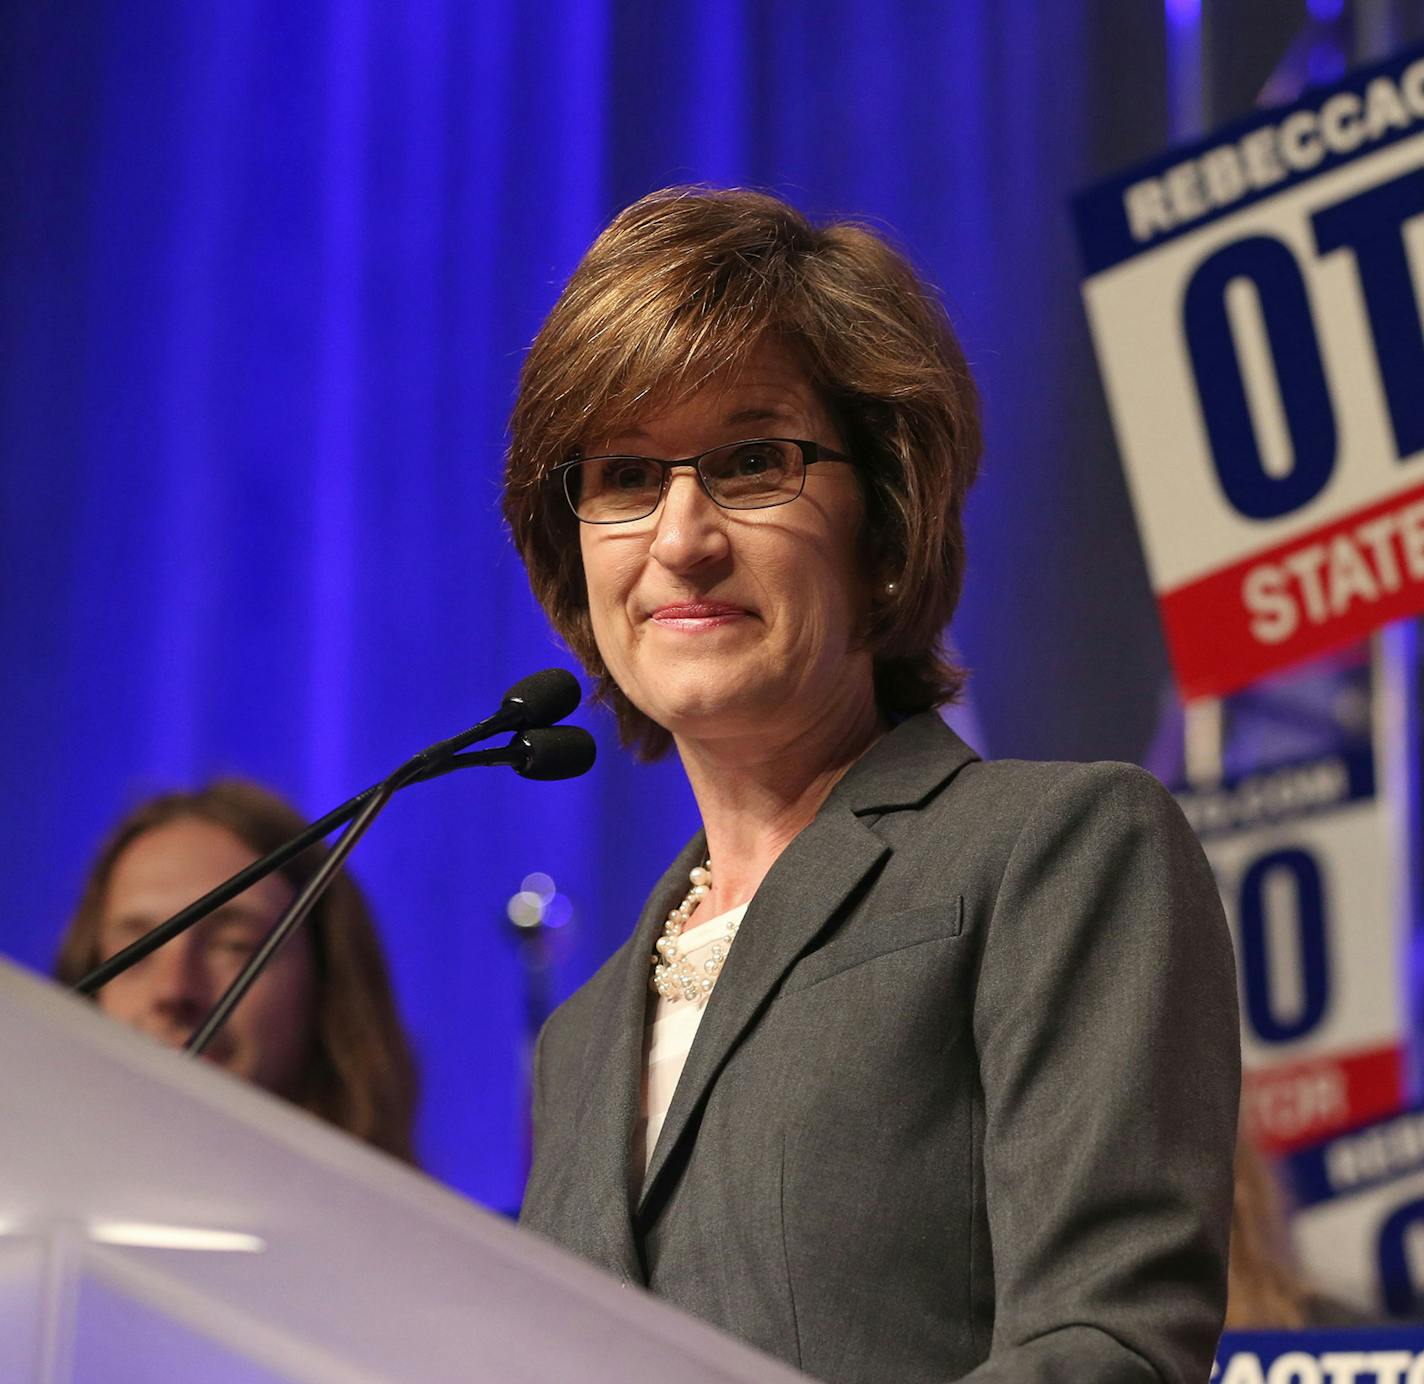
[(541, 699), (558, 752), (553, 752), (536, 701), (533, 702)]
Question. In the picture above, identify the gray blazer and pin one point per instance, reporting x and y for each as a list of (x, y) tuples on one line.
[(963, 1101)]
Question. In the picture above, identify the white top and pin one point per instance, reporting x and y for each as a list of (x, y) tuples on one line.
[(671, 1027)]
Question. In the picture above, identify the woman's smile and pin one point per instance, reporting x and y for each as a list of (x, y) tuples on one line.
[(698, 617)]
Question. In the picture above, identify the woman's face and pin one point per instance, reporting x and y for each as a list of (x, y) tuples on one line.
[(723, 623), (268, 1037)]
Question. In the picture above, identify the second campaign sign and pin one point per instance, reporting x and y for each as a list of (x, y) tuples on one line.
[(1255, 301)]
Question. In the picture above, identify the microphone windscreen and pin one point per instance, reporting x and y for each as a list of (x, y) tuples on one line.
[(558, 752), (543, 698)]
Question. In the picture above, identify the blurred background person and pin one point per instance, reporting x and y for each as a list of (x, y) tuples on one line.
[(319, 1027), (1265, 1289)]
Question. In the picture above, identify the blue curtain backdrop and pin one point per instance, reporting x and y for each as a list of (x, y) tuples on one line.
[(267, 272)]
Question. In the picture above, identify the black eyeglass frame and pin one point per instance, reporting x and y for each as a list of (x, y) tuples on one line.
[(811, 453)]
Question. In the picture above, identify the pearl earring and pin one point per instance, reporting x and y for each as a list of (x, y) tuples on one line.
[(889, 589)]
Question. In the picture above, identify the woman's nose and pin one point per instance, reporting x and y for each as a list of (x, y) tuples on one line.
[(691, 530), (181, 975)]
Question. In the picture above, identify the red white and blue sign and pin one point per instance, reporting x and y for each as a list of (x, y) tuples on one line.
[(1257, 306), (1307, 861)]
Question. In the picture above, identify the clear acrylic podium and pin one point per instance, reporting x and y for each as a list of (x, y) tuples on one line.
[(161, 1220)]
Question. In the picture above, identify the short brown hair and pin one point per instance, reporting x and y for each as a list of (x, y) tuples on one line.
[(361, 1075), (684, 284)]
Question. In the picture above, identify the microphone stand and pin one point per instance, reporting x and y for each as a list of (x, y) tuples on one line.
[(245, 878), (522, 753), (295, 914)]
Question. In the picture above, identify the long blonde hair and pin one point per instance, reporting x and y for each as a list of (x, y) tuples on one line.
[(1265, 1291)]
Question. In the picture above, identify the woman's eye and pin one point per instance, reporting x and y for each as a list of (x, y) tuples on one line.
[(628, 476), (755, 461), (235, 945)]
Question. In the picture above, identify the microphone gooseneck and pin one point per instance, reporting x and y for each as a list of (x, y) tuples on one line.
[(541, 752), (532, 703), (536, 701)]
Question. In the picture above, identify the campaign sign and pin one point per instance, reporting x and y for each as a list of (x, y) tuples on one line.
[(1306, 861), (1255, 302), (1373, 1355), (1358, 1223)]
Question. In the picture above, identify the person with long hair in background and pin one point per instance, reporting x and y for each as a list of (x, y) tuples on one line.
[(320, 1025), (1266, 1289)]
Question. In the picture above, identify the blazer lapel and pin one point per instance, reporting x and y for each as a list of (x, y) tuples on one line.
[(906, 768), (810, 881), (612, 1098)]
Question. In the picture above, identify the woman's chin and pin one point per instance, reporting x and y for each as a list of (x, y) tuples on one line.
[(707, 712), (735, 716)]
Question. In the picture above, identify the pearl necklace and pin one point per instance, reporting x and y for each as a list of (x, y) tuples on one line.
[(674, 977)]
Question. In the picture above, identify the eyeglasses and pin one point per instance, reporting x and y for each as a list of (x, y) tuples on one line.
[(755, 474)]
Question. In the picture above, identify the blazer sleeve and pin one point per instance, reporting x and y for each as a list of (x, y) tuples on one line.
[(1106, 1029)]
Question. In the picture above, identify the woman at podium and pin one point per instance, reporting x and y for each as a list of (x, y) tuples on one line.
[(913, 1066)]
